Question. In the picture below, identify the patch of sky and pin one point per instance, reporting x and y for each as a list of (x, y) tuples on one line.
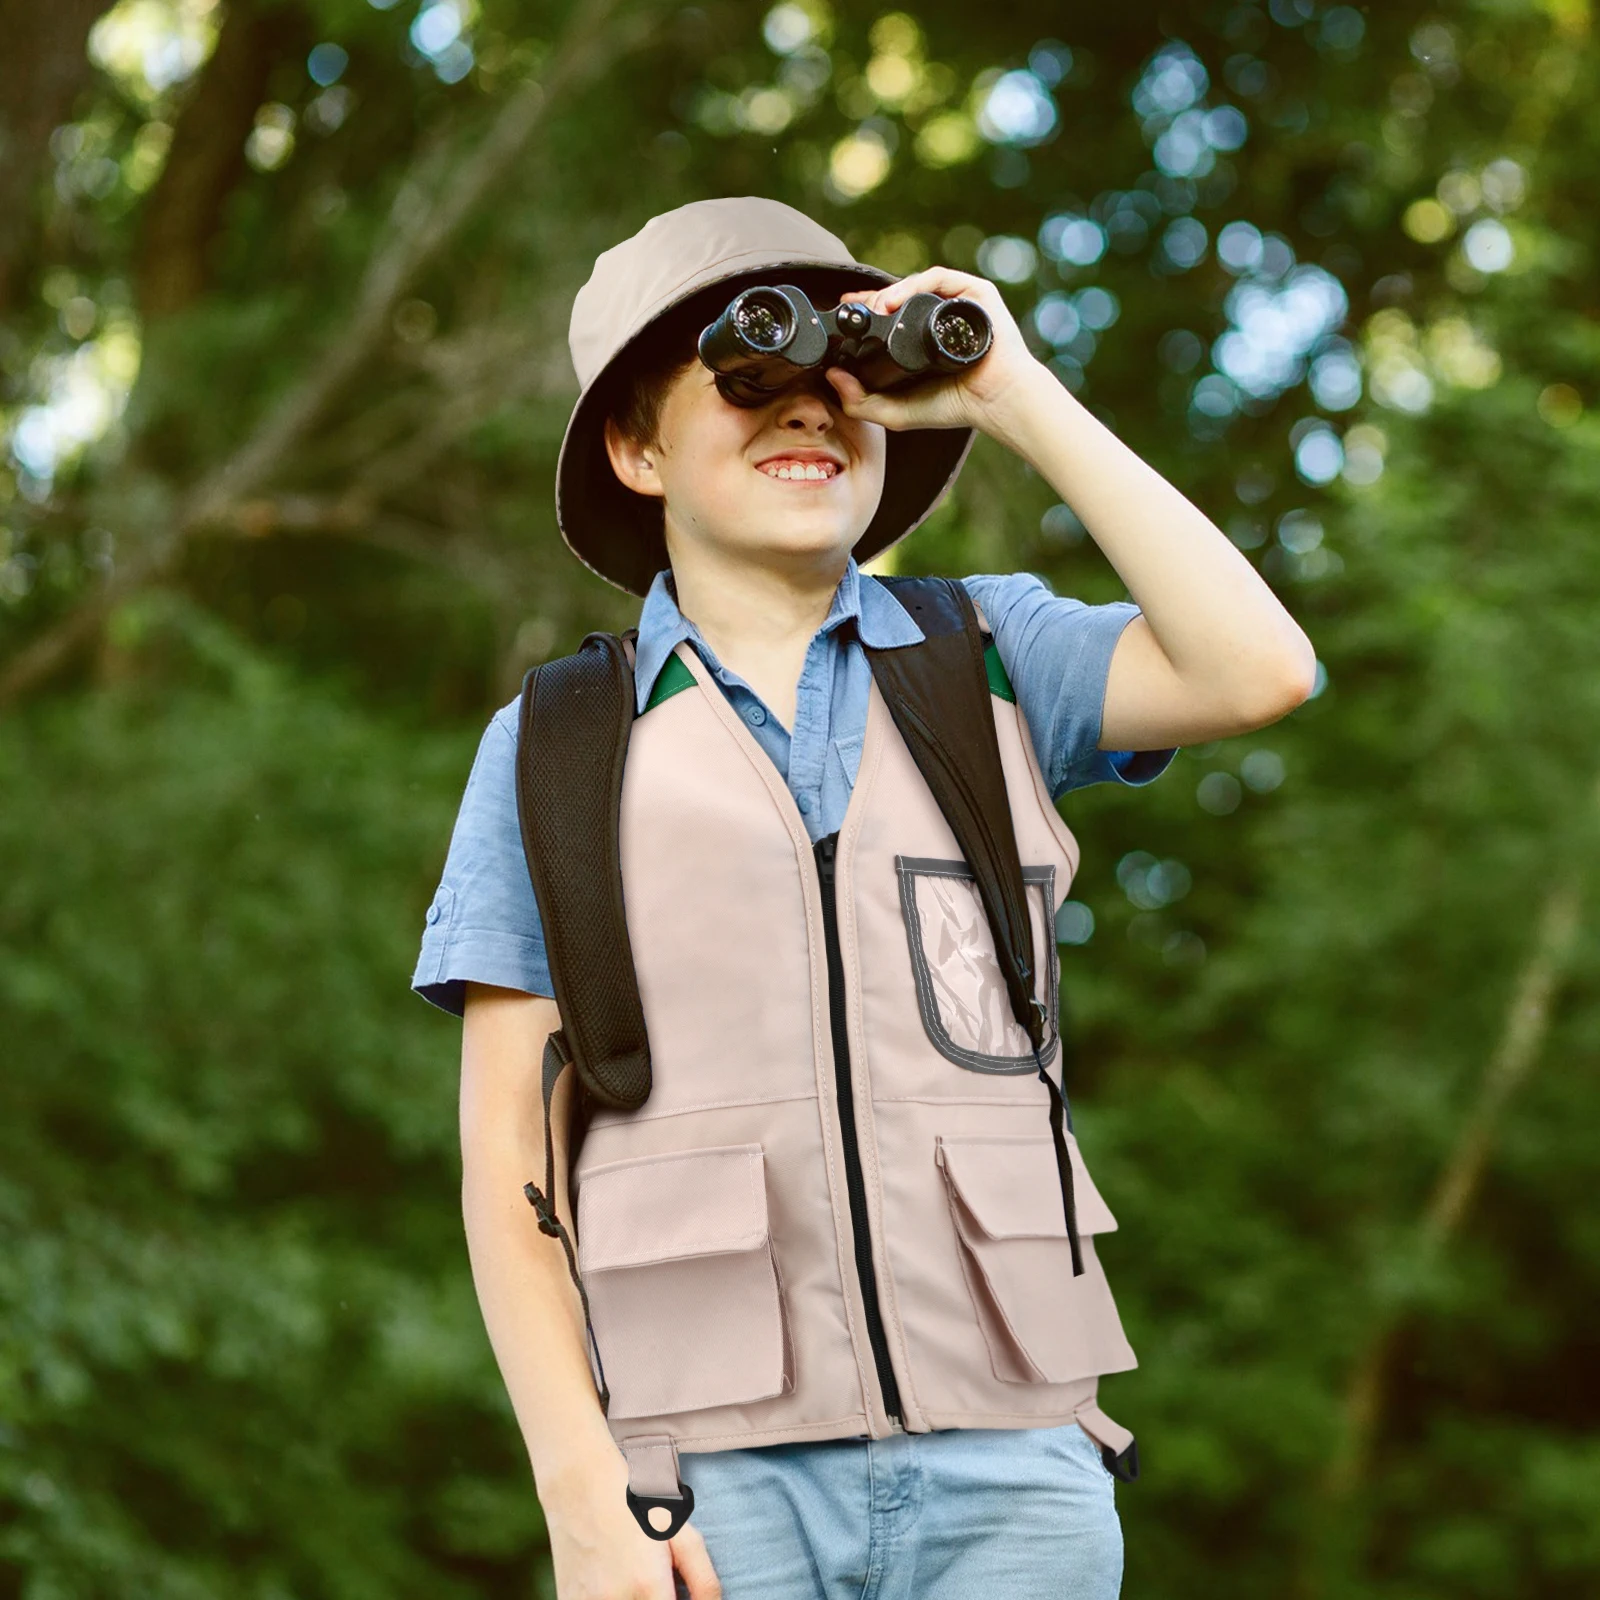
[(1275, 326), (1017, 110), (1319, 456), (1487, 245), (1075, 240), (1335, 377), (1183, 243), (1074, 923), (1007, 258), (1050, 61), (1151, 883), (786, 29), (83, 394), (326, 64), (1172, 81), (1184, 135), (438, 33)]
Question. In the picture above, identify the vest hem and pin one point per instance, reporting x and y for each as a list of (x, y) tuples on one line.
[(838, 1428), (1004, 1419)]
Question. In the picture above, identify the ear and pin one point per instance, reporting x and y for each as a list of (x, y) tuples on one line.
[(633, 463)]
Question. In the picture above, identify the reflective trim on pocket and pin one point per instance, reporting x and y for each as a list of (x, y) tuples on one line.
[(676, 1257), (1005, 1198), (961, 993)]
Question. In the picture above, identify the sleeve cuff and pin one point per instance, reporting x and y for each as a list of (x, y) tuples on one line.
[(507, 960), (1138, 767)]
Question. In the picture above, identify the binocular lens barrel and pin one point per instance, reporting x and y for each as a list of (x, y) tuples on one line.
[(767, 334), (763, 320), (959, 335)]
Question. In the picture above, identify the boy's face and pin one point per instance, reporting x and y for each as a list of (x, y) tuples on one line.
[(794, 476)]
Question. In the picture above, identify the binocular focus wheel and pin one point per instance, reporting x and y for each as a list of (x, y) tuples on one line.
[(678, 1507)]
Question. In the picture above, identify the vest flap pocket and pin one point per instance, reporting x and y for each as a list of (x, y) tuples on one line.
[(1012, 1189), (1041, 1324), (676, 1258), (661, 1208)]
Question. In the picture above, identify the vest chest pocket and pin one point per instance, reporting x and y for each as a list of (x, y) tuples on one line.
[(676, 1257), (1041, 1324), (966, 1011)]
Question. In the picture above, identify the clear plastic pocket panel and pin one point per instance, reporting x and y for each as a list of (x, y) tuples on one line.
[(966, 1011), (676, 1258)]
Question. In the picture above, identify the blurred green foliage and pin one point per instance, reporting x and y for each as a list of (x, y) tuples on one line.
[(277, 534)]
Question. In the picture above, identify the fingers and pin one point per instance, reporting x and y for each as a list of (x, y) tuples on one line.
[(690, 1556), (932, 403), (944, 281), (855, 400)]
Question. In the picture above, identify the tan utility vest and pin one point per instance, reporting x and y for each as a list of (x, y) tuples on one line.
[(714, 1225)]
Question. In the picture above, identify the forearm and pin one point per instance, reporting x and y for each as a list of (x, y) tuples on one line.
[(529, 1303), (1215, 618), (535, 1325)]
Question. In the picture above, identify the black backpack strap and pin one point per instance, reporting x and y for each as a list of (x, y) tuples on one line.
[(938, 694), (572, 742)]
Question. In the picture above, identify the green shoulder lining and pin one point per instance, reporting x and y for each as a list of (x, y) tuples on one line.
[(675, 676), (999, 683), (671, 678)]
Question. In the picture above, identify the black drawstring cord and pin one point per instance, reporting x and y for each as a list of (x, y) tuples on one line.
[(556, 1056), (1059, 1115)]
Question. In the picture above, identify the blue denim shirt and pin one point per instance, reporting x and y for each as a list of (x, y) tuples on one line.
[(484, 924)]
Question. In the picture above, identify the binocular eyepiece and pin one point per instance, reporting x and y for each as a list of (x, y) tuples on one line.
[(770, 333)]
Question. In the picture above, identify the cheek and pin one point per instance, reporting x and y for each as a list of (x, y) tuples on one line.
[(874, 456)]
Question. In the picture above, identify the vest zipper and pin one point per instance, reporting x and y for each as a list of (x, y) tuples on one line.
[(824, 851)]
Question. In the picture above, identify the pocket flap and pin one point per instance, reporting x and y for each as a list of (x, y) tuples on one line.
[(665, 1208), (1012, 1190)]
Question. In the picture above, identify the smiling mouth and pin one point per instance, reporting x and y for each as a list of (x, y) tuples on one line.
[(790, 471)]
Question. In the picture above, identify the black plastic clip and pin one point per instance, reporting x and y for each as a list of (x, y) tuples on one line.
[(549, 1222), (678, 1506), (1125, 1467)]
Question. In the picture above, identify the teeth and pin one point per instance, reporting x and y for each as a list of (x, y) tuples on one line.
[(809, 470)]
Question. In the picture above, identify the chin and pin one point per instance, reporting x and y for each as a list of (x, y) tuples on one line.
[(819, 539)]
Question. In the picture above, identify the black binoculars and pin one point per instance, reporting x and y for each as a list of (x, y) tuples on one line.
[(770, 333)]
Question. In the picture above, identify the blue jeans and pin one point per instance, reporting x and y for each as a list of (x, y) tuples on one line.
[(1000, 1513)]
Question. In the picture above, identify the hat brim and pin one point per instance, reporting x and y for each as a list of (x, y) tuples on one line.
[(618, 534)]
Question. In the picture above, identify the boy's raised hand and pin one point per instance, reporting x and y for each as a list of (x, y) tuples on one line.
[(970, 399)]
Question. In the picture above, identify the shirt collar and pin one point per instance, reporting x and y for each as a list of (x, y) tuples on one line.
[(880, 621)]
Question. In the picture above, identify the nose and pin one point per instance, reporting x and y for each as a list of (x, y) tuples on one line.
[(808, 404)]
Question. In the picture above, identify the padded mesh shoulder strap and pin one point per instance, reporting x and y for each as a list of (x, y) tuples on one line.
[(576, 715), (938, 694)]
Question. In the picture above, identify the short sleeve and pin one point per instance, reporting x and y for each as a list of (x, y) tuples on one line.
[(1057, 653), (483, 924)]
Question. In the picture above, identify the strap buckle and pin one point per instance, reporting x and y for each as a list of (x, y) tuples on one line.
[(678, 1508), (652, 1465), (1124, 1467)]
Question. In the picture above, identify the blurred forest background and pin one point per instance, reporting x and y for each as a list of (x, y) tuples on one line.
[(283, 306)]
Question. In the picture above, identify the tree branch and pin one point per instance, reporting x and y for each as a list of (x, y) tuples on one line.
[(424, 229), (1523, 1031)]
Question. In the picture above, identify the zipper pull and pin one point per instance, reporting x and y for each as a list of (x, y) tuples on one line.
[(825, 848)]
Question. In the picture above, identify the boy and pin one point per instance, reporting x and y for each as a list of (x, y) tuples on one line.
[(859, 1425)]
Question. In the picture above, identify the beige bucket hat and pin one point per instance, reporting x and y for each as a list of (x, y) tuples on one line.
[(689, 262)]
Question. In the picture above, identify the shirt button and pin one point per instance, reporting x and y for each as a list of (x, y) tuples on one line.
[(433, 912), (755, 716), (805, 802)]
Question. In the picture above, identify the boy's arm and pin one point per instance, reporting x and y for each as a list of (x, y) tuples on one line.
[(530, 1305), (1214, 653)]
